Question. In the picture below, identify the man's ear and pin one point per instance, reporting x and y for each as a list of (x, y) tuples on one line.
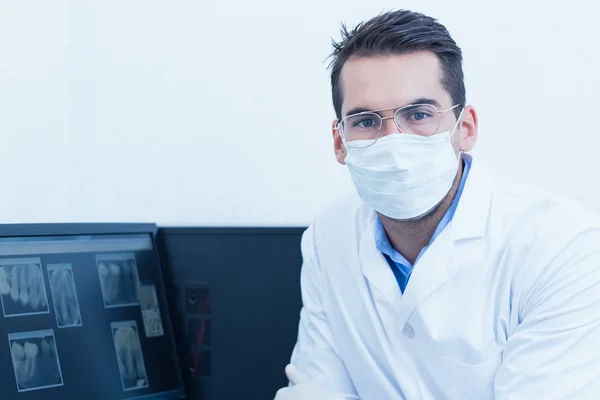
[(468, 129), (338, 145)]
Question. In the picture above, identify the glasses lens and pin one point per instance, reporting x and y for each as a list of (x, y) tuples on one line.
[(361, 129), (422, 120)]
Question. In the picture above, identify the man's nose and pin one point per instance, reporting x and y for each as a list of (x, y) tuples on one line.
[(388, 126)]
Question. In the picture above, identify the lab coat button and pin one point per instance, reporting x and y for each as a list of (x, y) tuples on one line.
[(408, 331)]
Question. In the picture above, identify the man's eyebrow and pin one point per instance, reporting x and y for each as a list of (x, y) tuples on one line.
[(426, 100), (420, 100), (357, 110)]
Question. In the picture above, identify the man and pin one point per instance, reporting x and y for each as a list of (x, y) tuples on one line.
[(437, 282)]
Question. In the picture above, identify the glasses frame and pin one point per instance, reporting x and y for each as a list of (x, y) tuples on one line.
[(338, 126)]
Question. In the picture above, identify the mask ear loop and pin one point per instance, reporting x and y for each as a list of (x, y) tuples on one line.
[(459, 152), (338, 128)]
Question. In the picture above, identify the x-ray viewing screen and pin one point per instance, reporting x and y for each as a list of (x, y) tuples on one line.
[(85, 317)]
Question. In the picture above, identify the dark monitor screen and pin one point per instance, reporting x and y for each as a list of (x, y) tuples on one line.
[(84, 315), (235, 302)]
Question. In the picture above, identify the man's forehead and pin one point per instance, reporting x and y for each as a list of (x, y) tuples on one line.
[(391, 81)]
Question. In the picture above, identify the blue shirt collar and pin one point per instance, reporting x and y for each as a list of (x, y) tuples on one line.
[(382, 242)]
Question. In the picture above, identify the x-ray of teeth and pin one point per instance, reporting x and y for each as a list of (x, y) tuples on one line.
[(150, 310), (64, 295), (22, 288), (119, 279), (129, 355), (35, 360)]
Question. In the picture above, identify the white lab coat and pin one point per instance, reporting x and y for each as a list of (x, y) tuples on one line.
[(505, 304)]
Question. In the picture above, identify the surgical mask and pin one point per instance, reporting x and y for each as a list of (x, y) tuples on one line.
[(403, 176)]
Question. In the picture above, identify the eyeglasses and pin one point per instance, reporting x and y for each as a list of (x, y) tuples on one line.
[(363, 129)]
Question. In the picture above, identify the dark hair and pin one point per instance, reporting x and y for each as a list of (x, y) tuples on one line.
[(399, 32)]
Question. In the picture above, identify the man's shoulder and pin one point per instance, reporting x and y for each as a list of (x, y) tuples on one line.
[(342, 217), (550, 242), (540, 226), (533, 206), (342, 207)]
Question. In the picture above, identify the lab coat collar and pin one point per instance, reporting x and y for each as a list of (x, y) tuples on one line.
[(375, 267), (437, 265), (471, 215)]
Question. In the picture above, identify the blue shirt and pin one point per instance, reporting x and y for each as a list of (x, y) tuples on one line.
[(400, 265)]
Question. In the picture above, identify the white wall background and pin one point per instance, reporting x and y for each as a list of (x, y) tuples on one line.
[(218, 113)]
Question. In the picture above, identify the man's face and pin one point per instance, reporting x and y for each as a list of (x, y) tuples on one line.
[(390, 82)]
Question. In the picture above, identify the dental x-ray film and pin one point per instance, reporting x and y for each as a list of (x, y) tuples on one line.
[(64, 295), (22, 288), (35, 360), (150, 311), (129, 355), (119, 279)]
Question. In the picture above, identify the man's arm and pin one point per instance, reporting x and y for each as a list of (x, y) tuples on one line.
[(554, 353), (314, 353)]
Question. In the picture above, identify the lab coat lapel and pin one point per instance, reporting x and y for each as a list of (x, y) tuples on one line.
[(435, 268), (375, 267), (471, 216), (387, 299), (439, 264)]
